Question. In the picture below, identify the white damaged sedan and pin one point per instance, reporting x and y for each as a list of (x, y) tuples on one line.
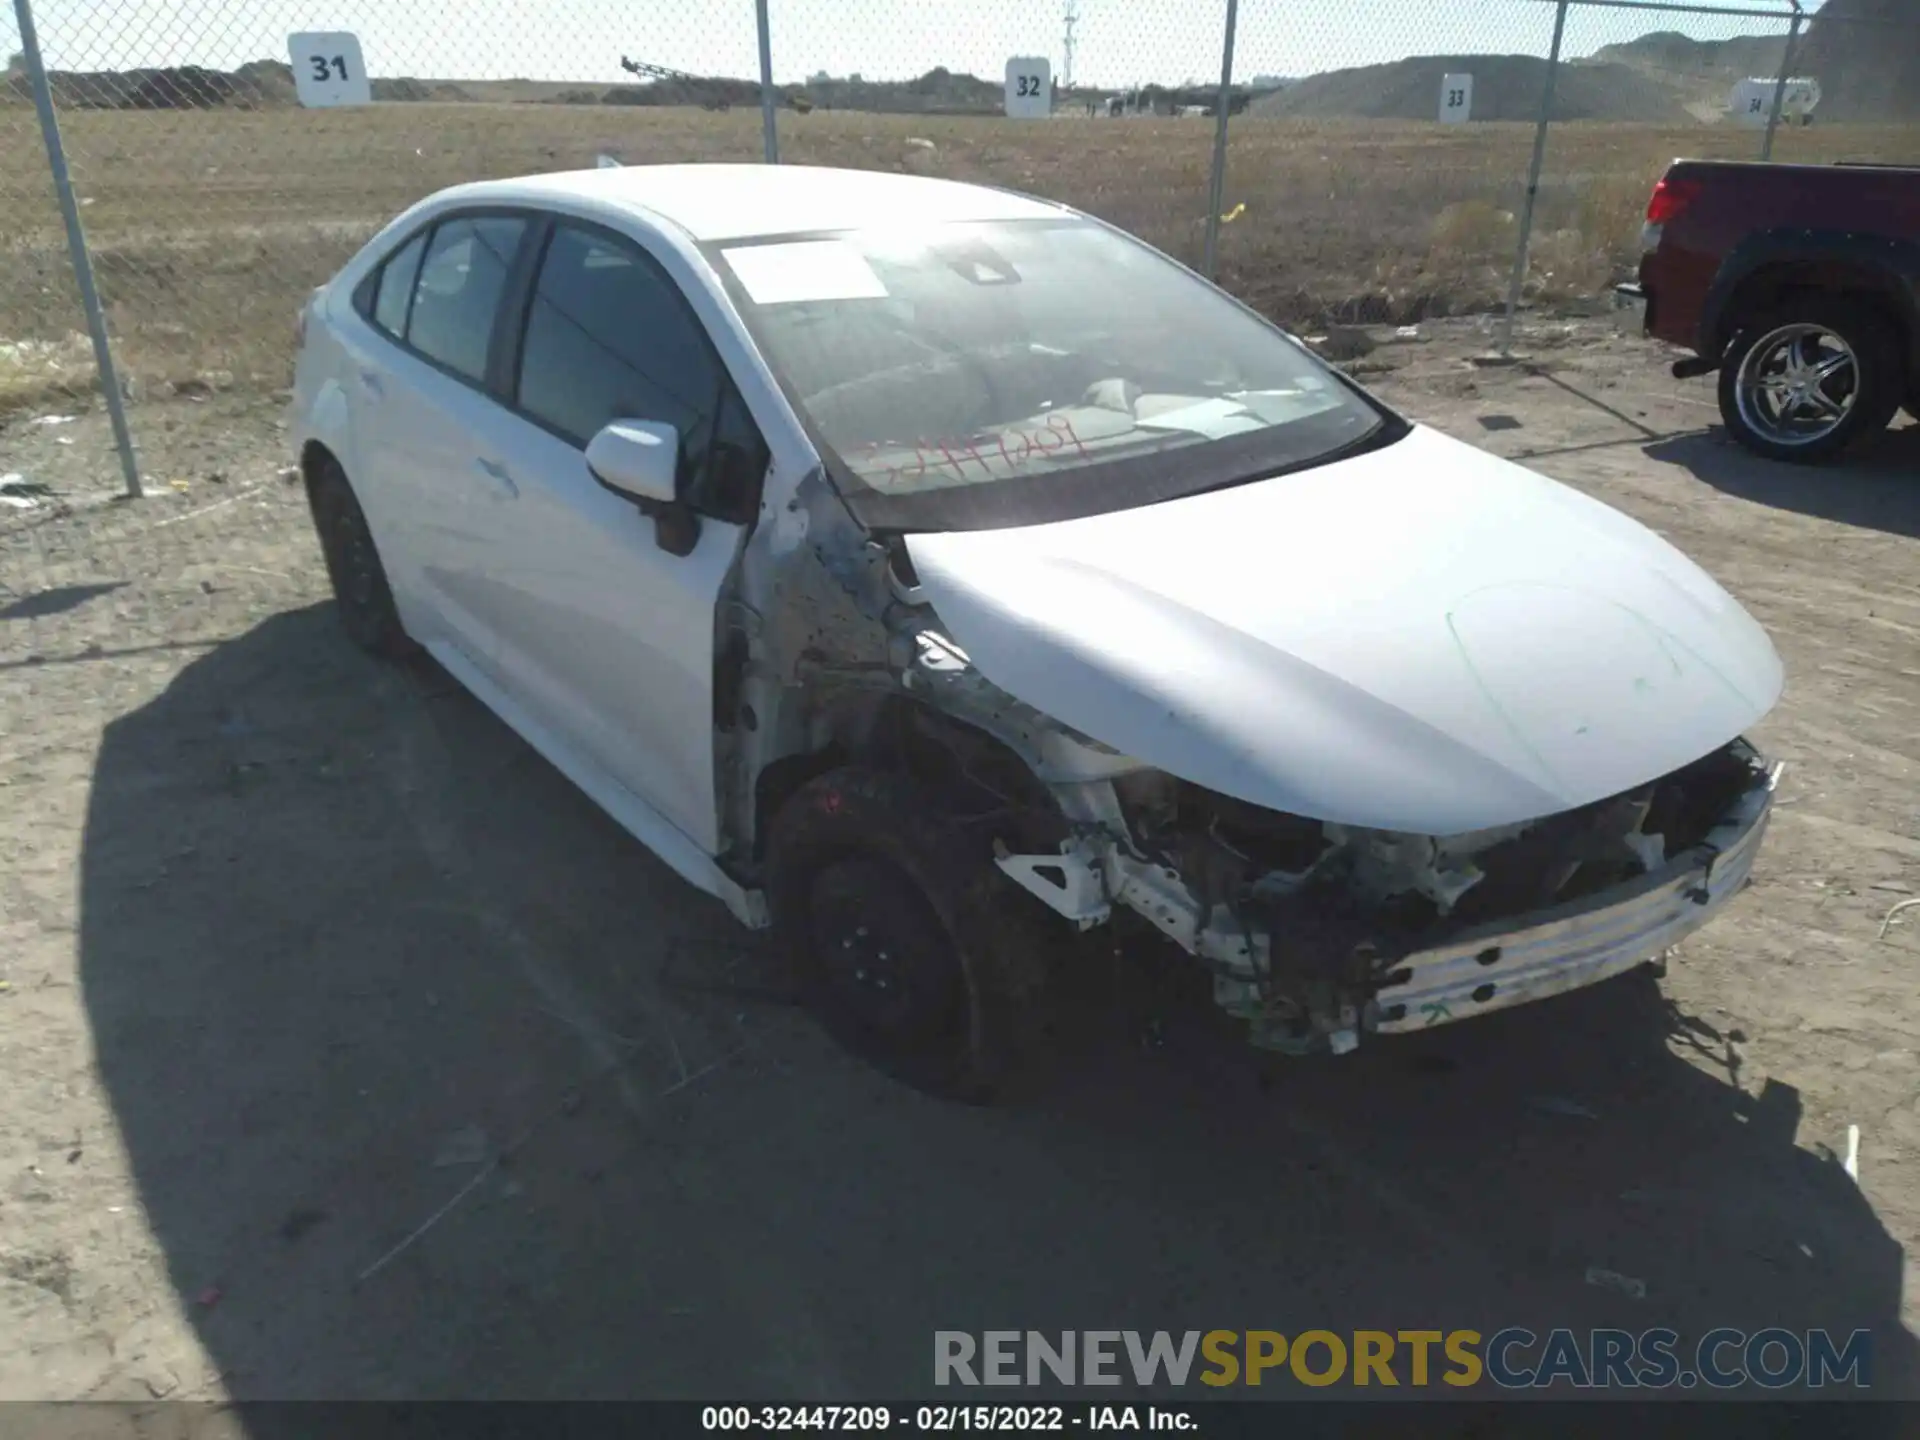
[(930, 571)]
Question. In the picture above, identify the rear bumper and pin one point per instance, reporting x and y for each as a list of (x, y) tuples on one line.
[(1574, 946)]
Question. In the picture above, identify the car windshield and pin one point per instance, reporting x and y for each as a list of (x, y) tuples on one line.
[(949, 356)]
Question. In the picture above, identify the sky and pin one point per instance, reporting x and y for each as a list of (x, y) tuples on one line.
[(1117, 42)]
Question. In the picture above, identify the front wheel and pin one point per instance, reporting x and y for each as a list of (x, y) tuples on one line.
[(916, 953), (1809, 380)]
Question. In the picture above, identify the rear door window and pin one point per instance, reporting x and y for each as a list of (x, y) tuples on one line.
[(462, 278)]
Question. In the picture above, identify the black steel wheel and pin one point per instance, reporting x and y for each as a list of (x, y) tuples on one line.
[(915, 952)]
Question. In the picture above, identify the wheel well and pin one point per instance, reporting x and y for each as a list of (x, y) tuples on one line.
[(899, 733), (1778, 284), (779, 782)]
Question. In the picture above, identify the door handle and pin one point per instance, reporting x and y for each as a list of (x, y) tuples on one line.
[(370, 382), (499, 474)]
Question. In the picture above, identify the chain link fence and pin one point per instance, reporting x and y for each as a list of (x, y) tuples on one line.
[(1346, 198), (44, 351), (1306, 155)]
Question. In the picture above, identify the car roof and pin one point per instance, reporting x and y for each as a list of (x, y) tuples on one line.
[(733, 202)]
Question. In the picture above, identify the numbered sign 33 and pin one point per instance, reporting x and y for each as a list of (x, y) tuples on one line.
[(328, 70), (1456, 99), (1029, 87)]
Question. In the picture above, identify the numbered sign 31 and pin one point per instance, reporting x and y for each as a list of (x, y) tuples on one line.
[(1029, 87), (327, 69), (1456, 99)]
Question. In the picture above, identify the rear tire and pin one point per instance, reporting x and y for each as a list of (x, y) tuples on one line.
[(1811, 378), (916, 953), (359, 580)]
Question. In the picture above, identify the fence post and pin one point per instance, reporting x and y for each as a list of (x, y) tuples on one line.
[(1533, 177), (1217, 182), (769, 126), (1780, 85), (77, 246)]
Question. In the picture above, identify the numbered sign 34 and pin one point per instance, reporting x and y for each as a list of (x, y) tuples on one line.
[(328, 70), (1752, 101), (1029, 87), (1456, 99)]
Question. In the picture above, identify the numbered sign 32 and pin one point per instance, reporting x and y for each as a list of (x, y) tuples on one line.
[(1456, 99), (1029, 87), (328, 70)]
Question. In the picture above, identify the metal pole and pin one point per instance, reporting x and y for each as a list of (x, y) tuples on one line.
[(77, 246), (1533, 176), (769, 127), (1217, 183), (1780, 86)]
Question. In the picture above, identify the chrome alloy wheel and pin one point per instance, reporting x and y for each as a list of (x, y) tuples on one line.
[(1798, 384)]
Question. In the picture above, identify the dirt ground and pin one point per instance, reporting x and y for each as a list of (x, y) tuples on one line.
[(349, 1052)]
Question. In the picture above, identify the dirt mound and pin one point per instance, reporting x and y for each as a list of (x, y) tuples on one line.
[(1869, 71), (711, 94), (938, 91), (259, 84), (406, 88), (173, 87), (1505, 87), (1668, 52), (269, 81)]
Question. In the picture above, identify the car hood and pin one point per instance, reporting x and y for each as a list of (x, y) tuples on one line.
[(1422, 638)]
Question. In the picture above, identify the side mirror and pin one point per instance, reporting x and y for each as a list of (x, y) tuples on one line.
[(639, 460)]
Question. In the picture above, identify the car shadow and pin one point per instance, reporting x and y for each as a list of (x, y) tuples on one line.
[(1876, 487), (434, 1084)]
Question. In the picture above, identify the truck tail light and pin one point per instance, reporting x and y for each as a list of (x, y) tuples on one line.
[(1670, 200)]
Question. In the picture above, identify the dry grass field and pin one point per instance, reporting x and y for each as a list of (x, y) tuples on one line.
[(207, 227)]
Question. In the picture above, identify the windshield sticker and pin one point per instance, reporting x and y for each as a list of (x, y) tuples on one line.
[(803, 270)]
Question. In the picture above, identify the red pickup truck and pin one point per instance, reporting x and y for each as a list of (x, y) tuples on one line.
[(1800, 284)]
